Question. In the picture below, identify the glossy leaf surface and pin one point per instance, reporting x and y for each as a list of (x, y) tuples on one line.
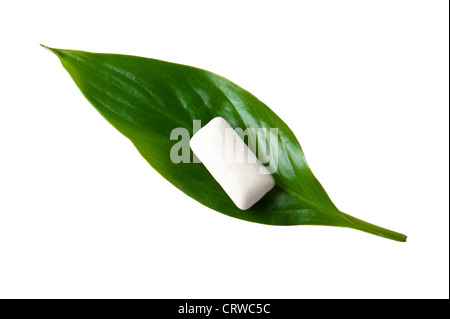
[(145, 99)]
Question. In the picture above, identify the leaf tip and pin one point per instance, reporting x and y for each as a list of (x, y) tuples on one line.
[(50, 49), (46, 47)]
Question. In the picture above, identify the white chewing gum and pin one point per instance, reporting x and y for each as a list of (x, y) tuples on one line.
[(232, 164)]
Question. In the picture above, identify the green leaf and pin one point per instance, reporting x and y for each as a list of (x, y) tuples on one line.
[(145, 99)]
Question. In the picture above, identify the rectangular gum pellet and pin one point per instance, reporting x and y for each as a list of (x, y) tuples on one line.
[(232, 164)]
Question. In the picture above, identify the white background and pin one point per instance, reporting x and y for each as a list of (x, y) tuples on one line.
[(363, 85)]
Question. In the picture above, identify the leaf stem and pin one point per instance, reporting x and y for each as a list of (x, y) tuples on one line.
[(352, 222), (359, 224)]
